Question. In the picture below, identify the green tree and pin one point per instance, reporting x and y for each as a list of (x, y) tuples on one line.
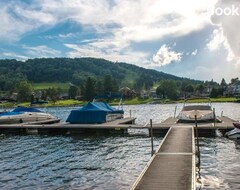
[(25, 91), (214, 93), (189, 88), (115, 87), (223, 83), (234, 80), (73, 91), (99, 87), (168, 89), (200, 88), (90, 89), (53, 94), (108, 84), (223, 86)]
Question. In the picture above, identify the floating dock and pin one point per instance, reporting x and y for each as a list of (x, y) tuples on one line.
[(173, 164), (223, 124), (117, 126), (120, 126)]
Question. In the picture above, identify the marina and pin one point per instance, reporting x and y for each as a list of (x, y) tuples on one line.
[(169, 151)]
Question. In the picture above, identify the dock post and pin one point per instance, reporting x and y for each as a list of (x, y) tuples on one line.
[(214, 117), (198, 149), (175, 111), (151, 133)]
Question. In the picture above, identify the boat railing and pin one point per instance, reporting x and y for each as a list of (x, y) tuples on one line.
[(197, 98)]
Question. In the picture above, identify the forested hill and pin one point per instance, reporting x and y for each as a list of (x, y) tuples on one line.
[(77, 70)]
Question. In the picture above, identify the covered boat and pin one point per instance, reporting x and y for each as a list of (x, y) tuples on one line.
[(203, 113), (94, 112), (26, 114), (235, 133)]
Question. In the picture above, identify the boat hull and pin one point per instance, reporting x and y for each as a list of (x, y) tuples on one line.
[(199, 115), (233, 134), (25, 118)]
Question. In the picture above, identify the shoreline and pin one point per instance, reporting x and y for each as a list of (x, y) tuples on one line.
[(135, 101)]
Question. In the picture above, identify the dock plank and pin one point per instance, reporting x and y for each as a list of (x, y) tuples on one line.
[(175, 141), (173, 165)]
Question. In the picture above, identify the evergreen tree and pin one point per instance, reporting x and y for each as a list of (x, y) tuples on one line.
[(223, 86), (99, 87), (108, 84), (214, 93), (223, 83), (90, 89), (115, 87)]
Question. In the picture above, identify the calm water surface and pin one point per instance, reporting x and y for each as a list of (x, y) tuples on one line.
[(109, 162)]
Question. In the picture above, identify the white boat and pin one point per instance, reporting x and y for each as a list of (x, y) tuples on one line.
[(202, 112), (235, 133), (26, 115)]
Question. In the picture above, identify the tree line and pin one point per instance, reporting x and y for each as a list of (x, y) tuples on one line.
[(76, 71)]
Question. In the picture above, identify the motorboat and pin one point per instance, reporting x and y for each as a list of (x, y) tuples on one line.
[(199, 112), (95, 113), (235, 133), (26, 115)]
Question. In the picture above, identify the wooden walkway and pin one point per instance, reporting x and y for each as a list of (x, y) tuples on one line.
[(117, 126), (224, 124), (172, 167)]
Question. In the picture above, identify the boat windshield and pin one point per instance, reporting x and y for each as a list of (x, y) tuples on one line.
[(197, 107)]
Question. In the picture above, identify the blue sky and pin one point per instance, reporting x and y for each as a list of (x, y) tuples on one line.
[(187, 38)]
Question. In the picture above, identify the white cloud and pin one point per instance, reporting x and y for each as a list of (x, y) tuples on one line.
[(112, 54), (41, 51), (12, 55), (217, 40), (194, 52), (138, 20), (166, 56), (228, 24), (120, 23)]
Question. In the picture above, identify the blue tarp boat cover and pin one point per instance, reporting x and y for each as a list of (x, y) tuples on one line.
[(20, 110), (93, 112), (25, 109)]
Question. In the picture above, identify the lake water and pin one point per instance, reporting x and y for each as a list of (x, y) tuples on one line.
[(109, 162)]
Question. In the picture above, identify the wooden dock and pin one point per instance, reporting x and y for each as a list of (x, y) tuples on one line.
[(172, 167), (224, 124), (119, 126)]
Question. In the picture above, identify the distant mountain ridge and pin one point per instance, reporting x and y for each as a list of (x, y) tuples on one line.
[(78, 69)]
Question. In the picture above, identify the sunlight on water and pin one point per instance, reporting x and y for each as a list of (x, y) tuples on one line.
[(109, 162)]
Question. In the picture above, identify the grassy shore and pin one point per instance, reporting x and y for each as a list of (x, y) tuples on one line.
[(134, 101), (44, 86)]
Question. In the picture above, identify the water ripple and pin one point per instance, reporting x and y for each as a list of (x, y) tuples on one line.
[(108, 162)]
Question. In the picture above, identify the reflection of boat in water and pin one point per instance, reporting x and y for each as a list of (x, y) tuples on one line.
[(235, 133), (25, 115), (95, 112), (202, 112)]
